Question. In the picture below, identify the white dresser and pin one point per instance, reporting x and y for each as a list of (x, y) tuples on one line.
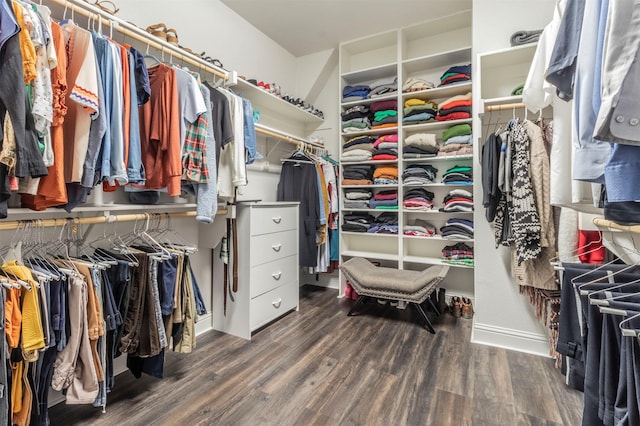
[(267, 268)]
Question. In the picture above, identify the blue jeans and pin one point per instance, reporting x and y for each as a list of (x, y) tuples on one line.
[(249, 132)]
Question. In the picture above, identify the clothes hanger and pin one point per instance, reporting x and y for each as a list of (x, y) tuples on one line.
[(629, 332), (555, 261)]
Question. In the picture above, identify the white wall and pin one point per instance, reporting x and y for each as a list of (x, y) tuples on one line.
[(503, 316)]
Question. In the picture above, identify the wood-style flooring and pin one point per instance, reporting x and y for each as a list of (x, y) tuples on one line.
[(318, 366)]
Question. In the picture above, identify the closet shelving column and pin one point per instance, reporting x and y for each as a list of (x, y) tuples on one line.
[(427, 51), (362, 62), (424, 51)]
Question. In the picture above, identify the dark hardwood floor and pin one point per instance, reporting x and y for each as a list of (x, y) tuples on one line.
[(318, 366)]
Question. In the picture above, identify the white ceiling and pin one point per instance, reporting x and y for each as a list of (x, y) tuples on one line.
[(308, 26)]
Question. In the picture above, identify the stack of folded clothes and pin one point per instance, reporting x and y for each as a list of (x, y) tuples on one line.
[(356, 198), (385, 200), (357, 222), (458, 175), (455, 108), (386, 223), (385, 114), (355, 155), (419, 174), (385, 175), (456, 74), (357, 175), (386, 147), (383, 87), (356, 119), (418, 199), (355, 93), (419, 228), (359, 148), (456, 140), (458, 229), (420, 145), (458, 254), (415, 84), (385, 154), (419, 111), (458, 200)]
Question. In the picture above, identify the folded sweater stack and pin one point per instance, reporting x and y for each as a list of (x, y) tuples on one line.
[(419, 174), (359, 148), (386, 148), (458, 175), (357, 222), (419, 111), (456, 140), (383, 87), (385, 200), (386, 223), (456, 228), (458, 254), (357, 175), (458, 200), (385, 114), (356, 198), (356, 119), (456, 74), (419, 228), (355, 93), (455, 108), (418, 199), (420, 145), (385, 175)]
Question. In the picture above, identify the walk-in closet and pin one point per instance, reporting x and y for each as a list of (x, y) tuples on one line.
[(274, 212)]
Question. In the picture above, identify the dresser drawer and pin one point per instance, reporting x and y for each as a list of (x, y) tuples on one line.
[(270, 247), (265, 220), (271, 305), (273, 274)]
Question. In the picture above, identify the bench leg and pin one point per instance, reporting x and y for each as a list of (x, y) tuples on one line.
[(423, 315), (360, 301), (433, 305)]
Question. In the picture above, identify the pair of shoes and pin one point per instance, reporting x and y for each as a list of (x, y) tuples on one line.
[(456, 306), (106, 6), (467, 308), (160, 30)]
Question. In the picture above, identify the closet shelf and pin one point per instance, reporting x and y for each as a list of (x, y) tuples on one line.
[(367, 210), (372, 234), (369, 255), (92, 208), (439, 92), (262, 98), (432, 261), (370, 74), (436, 125), (442, 158), (438, 185), (392, 96), (370, 186), (438, 238), (438, 60), (374, 132), (436, 212), (372, 162)]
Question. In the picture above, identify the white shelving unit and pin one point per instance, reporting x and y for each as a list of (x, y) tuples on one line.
[(424, 51)]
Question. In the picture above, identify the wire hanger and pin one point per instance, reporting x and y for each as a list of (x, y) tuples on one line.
[(629, 332)]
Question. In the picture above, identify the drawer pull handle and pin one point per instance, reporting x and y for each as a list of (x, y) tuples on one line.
[(276, 219), (276, 247), (277, 275), (276, 303)]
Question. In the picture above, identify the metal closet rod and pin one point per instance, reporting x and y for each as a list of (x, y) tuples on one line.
[(267, 131), (50, 223), (606, 223), (130, 30)]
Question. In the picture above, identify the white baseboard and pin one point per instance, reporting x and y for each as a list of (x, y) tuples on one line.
[(507, 338), (204, 324)]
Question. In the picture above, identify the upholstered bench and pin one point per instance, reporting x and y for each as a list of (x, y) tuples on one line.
[(405, 287)]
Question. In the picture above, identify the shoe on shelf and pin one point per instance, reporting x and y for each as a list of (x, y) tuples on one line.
[(158, 30), (467, 308), (172, 36)]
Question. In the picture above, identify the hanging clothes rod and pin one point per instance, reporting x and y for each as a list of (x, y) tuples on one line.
[(50, 223), (130, 30), (504, 107), (268, 131), (609, 224)]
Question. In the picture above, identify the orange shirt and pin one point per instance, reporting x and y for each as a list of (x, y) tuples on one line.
[(160, 132), (52, 190), (26, 46)]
